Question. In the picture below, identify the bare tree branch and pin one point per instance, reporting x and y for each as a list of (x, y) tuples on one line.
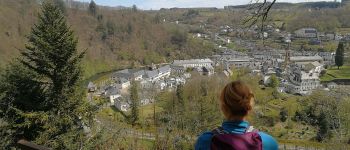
[(259, 11)]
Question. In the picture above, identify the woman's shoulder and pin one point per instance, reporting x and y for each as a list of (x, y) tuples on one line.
[(269, 143), (203, 141)]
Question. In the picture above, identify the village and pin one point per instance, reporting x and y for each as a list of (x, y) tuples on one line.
[(298, 72)]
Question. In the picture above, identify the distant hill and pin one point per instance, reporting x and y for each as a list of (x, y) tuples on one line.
[(114, 38), (283, 5)]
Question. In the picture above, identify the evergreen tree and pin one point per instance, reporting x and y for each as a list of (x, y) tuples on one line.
[(134, 8), (180, 104), (134, 116), (323, 125), (180, 94), (92, 8), (41, 101), (283, 115), (339, 55)]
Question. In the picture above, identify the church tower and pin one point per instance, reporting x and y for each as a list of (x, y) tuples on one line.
[(287, 57)]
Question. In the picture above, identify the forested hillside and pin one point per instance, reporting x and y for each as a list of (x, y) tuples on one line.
[(127, 37), (112, 38)]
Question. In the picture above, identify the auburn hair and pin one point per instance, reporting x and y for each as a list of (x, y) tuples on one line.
[(236, 99)]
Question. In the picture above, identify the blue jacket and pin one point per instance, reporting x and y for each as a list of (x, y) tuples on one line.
[(204, 140)]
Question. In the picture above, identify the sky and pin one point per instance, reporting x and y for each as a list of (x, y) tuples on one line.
[(157, 4)]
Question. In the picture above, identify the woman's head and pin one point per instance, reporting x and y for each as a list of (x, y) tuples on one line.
[(236, 100)]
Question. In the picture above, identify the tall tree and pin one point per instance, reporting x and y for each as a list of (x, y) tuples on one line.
[(92, 8), (134, 97), (323, 127), (134, 8), (61, 5), (339, 55), (180, 95), (180, 107), (41, 101)]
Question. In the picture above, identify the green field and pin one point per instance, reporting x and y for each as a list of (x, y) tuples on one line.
[(334, 73)]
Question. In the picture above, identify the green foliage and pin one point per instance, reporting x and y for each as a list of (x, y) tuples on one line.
[(283, 115), (180, 95), (134, 105), (274, 81), (198, 112), (178, 37), (325, 110), (111, 27), (238, 73), (144, 40), (339, 55), (324, 127), (41, 101), (335, 73), (327, 22)]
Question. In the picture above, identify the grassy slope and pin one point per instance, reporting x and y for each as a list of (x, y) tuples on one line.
[(334, 73)]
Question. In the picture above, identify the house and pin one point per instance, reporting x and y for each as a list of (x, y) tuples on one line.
[(124, 83), (330, 35), (164, 71), (145, 84), (91, 87), (187, 75), (332, 85), (303, 77), (173, 82), (146, 101), (151, 75), (161, 84), (178, 69), (128, 74), (328, 57), (203, 66), (157, 74), (306, 59), (193, 63), (121, 105), (112, 93), (306, 33), (242, 62)]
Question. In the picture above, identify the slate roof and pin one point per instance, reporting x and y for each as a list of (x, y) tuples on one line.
[(305, 58), (192, 61), (139, 73), (165, 68), (310, 31), (151, 74), (128, 73), (112, 91), (123, 80)]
